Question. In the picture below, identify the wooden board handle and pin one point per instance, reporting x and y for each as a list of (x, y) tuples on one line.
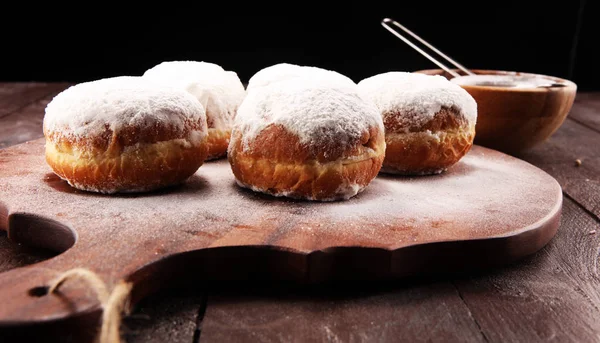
[(25, 297), (24, 292)]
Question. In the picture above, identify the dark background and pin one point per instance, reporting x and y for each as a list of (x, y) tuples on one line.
[(93, 40)]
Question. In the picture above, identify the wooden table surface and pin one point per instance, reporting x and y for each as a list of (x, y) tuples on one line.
[(553, 295)]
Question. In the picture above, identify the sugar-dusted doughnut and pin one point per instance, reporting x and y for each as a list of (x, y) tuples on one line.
[(307, 139), (286, 71), (219, 91), (429, 121), (124, 134)]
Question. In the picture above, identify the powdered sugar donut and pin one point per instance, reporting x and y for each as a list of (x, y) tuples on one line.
[(286, 71), (308, 139), (219, 91), (429, 121), (124, 134)]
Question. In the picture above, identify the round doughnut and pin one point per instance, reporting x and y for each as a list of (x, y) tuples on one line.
[(305, 139), (219, 91), (286, 71), (124, 134), (429, 121)]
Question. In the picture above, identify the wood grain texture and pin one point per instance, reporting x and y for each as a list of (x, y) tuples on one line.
[(553, 296), (24, 124), (170, 315), (558, 155), (586, 110), (410, 311), (16, 96), (472, 216)]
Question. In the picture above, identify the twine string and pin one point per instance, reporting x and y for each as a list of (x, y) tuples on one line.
[(113, 304)]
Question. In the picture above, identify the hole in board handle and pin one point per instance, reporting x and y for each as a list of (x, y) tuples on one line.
[(39, 291)]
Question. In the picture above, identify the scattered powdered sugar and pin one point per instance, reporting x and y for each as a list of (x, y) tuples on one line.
[(348, 190), (88, 108), (318, 113), (219, 91), (286, 71), (416, 98), (479, 196)]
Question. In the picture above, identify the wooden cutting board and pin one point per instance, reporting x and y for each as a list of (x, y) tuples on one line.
[(487, 210)]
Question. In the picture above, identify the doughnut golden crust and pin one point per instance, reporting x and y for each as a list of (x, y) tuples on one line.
[(112, 163), (277, 163), (124, 135), (429, 149), (217, 142)]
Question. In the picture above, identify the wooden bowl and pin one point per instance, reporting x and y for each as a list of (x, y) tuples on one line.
[(513, 120)]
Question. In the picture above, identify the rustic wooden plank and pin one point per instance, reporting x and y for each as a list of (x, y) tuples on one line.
[(24, 124), (429, 311), (558, 156), (168, 316), (76, 330), (587, 111), (553, 296), (12, 89), (591, 99), (16, 96)]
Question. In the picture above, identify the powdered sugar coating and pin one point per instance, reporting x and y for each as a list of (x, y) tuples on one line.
[(286, 71), (190, 65), (221, 92), (89, 108), (507, 81), (415, 98), (319, 113)]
